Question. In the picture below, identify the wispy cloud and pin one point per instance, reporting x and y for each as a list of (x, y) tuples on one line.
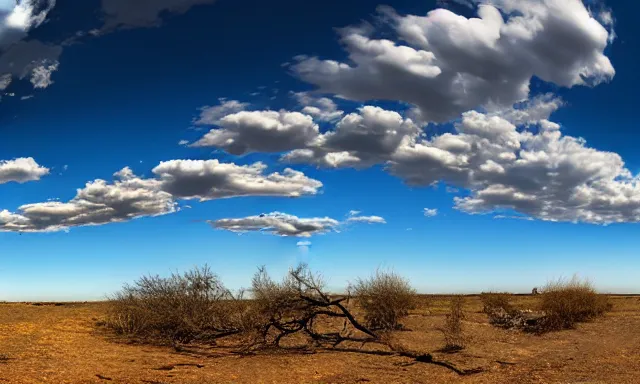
[(304, 246), (367, 219), (278, 223), (430, 212)]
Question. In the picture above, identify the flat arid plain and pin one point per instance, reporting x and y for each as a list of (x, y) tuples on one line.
[(64, 343)]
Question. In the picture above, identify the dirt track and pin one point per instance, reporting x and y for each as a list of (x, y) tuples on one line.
[(60, 344)]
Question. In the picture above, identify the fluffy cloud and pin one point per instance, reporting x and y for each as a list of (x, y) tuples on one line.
[(211, 115), (17, 17), (130, 196), (446, 64), (277, 223), (19, 57), (142, 13), (21, 170), (261, 131), (322, 158), (430, 212), (359, 139), (544, 175), (509, 159), (210, 179), (99, 202), (321, 108), (24, 58), (558, 178), (282, 224), (529, 112), (372, 131), (41, 75)]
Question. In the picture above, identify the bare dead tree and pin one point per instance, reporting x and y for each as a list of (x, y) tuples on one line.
[(295, 305)]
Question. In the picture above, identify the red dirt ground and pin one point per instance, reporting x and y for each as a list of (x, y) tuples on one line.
[(61, 344)]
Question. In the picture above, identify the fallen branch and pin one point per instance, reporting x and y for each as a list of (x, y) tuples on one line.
[(417, 357)]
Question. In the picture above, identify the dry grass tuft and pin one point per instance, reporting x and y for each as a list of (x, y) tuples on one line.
[(453, 332), (178, 309), (567, 302), (386, 298)]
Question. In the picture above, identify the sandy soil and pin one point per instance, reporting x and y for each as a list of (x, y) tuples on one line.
[(61, 344)]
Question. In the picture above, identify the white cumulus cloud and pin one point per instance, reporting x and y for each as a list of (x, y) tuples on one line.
[(261, 131), (129, 196), (321, 108), (446, 64), (21, 170), (280, 224)]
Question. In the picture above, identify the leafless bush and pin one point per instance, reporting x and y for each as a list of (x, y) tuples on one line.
[(567, 302), (385, 298), (495, 300), (498, 308), (196, 307), (178, 309), (294, 306), (453, 331)]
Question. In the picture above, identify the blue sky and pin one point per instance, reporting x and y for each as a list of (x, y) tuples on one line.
[(477, 121)]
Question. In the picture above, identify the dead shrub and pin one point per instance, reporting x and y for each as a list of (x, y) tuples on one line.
[(299, 308), (567, 302), (495, 300), (497, 306), (273, 302), (196, 307), (453, 331), (386, 298), (178, 309)]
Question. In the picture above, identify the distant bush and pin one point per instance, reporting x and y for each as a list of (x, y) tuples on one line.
[(453, 332), (385, 298), (567, 302), (491, 301), (178, 309), (498, 308)]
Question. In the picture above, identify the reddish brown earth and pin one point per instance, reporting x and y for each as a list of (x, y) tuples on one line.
[(61, 344)]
